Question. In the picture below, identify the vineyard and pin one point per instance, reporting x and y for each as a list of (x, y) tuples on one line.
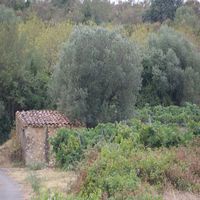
[(134, 159)]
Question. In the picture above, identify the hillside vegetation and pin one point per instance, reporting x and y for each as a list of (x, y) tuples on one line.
[(129, 72)]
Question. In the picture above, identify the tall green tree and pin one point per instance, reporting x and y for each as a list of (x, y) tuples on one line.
[(161, 10), (23, 79), (98, 76)]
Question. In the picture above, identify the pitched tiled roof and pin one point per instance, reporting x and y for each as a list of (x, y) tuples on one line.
[(40, 118)]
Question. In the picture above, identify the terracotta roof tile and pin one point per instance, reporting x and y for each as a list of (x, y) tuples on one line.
[(40, 118)]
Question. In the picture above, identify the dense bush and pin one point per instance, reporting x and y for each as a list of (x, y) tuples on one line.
[(171, 70), (68, 147), (157, 135)]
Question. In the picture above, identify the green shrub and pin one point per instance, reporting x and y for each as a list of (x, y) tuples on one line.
[(68, 147), (112, 174), (160, 135)]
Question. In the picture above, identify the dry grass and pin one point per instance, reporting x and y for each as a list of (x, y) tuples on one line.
[(10, 153), (50, 179), (57, 180), (177, 195)]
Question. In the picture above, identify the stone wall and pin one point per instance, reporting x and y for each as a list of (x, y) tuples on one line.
[(35, 143), (20, 137)]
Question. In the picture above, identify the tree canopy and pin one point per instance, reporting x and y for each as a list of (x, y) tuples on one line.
[(171, 69), (23, 79)]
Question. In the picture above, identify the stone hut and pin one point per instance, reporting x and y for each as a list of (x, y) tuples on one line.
[(33, 129)]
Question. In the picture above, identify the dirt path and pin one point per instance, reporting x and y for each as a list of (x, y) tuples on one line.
[(9, 190)]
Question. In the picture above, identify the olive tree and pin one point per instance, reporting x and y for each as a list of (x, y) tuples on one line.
[(98, 76)]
